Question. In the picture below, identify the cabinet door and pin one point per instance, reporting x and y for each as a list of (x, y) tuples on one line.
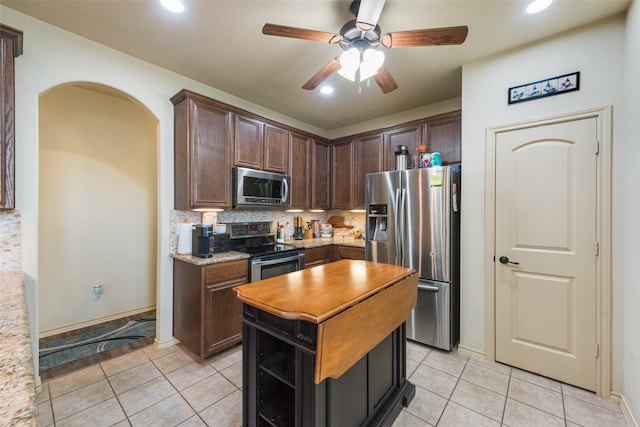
[(349, 252), (222, 316), (276, 149), (411, 136), (369, 154), (299, 167), (221, 310), (202, 155), (443, 134), (317, 256), (248, 142), (342, 162), (320, 177), (10, 47)]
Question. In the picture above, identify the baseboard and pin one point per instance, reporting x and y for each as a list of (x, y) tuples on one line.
[(164, 344), (92, 322), (472, 351), (626, 410)]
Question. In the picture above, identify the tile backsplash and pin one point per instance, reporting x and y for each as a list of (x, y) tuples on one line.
[(355, 219)]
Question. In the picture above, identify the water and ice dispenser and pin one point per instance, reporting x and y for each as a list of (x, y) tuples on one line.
[(377, 226)]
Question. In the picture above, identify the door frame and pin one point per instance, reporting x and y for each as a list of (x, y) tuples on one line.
[(603, 116)]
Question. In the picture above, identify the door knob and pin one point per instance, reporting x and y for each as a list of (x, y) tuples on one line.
[(505, 260)]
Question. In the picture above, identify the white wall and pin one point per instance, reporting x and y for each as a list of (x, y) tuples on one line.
[(53, 57), (630, 205), (98, 197), (597, 52)]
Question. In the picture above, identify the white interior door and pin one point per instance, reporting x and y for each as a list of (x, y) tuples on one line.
[(546, 249)]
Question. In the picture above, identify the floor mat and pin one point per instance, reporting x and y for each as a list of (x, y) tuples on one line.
[(87, 345)]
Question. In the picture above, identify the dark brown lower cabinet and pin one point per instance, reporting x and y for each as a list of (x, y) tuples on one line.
[(278, 371), (206, 313)]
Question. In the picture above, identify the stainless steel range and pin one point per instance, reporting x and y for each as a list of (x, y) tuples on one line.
[(267, 258)]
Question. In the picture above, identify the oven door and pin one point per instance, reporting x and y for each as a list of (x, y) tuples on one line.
[(273, 265)]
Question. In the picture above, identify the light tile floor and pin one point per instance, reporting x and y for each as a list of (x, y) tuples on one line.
[(171, 387)]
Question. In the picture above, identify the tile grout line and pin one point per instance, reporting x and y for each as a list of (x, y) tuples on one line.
[(126, 416)]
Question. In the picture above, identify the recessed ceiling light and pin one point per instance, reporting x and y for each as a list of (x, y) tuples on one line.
[(175, 6), (537, 6), (326, 90)]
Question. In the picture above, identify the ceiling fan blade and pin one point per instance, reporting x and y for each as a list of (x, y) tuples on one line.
[(428, 37), (385, 80), (300, 33), (368, 14), (321, 75)]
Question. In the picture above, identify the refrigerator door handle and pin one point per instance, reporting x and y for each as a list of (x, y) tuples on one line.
[(403, 223), (428, 288), (398, 234)]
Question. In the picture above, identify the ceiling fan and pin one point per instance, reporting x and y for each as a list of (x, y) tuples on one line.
[(361, 39)]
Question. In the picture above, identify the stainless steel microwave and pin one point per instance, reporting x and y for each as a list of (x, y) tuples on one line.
[(259, 189)]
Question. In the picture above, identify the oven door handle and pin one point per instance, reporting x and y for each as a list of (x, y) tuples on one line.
[(259, 262)]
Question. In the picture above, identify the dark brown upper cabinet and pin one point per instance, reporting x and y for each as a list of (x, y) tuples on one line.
[(369, 159), (299, 168), (202, 153), (411, 136), (320, 175), (10, 48), (248, 142), (443, 134), (342, 175), (276, 149), (259, 145)]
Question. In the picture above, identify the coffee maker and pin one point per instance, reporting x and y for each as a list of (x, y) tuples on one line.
[(201, 235)]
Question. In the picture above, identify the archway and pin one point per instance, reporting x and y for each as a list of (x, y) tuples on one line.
[(97, 206)]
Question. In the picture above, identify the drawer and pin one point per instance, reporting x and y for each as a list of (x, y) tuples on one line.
[(350, 252), (224, 271)]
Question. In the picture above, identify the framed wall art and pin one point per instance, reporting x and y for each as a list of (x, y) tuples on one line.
[(543, 88)]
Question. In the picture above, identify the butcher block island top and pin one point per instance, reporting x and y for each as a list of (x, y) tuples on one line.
[(356, 304), (319, 293)]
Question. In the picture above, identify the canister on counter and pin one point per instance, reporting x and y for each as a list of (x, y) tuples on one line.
[(435, 159)]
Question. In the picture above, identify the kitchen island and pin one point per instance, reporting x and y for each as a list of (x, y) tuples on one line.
[(326, 345)]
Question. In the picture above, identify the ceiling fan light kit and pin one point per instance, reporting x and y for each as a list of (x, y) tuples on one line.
[(361, 39)]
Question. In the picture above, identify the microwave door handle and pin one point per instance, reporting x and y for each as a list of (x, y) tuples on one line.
[(285, 191)]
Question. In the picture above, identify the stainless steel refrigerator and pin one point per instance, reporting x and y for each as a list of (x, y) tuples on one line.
[(413, 220)]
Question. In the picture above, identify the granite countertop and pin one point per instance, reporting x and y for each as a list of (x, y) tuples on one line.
[(324, 241), (307, 243), (214, 259), (17, 381)]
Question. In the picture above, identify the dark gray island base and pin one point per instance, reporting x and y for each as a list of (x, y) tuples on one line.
[(326, 346), (279, 360)]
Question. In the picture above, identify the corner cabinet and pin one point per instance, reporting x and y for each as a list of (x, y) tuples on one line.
[(10, 48), (206, 312), (202, 153)]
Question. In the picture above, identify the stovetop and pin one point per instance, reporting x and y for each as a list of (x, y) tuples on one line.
[(259, 251), (256, 239)]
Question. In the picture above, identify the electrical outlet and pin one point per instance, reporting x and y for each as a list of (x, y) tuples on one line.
[(96, 293)]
